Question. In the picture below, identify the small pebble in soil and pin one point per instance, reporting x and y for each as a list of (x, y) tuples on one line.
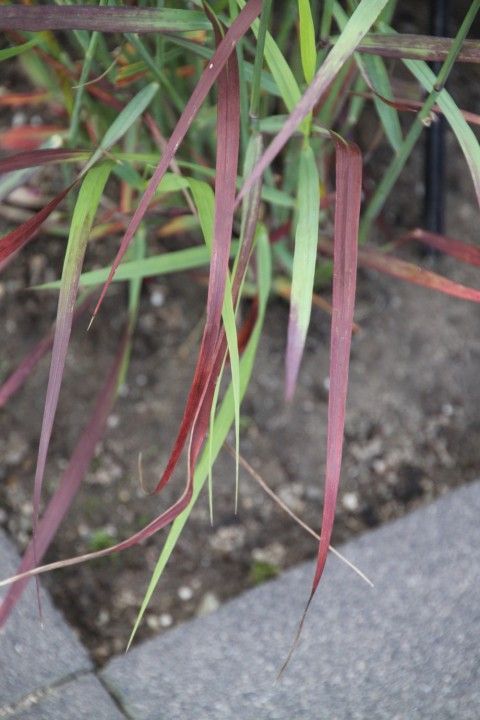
[(103, 618), (124, 495), (19, 118), (165, 620), (16, 449), (185, 593), (350, 501), (273, 554), (157, 297), (153, 622), (228, 538), (27, 508), (448, 410), (113, 421), (291, 495), (379, 466), (126, 598), (208, 604)]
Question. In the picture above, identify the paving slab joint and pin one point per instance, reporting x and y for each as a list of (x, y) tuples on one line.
[(39, 694), (116, 700)]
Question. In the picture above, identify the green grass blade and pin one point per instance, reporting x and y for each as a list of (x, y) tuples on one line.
[(138, 251), (211, 433), (171, 262), (124, 121), (358, 25), (223, 421), (8, 53), (308, 50), (304, 263), (378, 76), (205, 202), (228, 316), (77, 104), (279, 67), (464, 134)]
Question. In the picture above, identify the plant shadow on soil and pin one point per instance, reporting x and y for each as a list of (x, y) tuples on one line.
[(412, 429)]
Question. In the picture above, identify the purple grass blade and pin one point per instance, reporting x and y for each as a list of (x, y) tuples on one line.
[(347, 216), (18, 238), (83, 216), (237, 29), (102, 19), (228, 142), (70, 481), (33, 158), (403, 270), (250, 217), (228, 146), (417, 47), (465, 252), (15, 381)]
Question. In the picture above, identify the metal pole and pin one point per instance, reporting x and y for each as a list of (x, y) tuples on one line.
[(434, 211)]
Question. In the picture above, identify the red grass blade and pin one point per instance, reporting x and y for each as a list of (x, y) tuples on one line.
[(15, 381), (103, 19), (404, 270), (417, 47), (465, 252), (228, 144), (237, 29), (228, 139), (408, 105), (70, 482), (27, 137), (18, 238), (33, 158), (347, 216), (37, 97)]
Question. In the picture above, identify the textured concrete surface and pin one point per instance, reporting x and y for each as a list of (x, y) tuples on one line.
[(81, 699), (32, 656), (406, 650)]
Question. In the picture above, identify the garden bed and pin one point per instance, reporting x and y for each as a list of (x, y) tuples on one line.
[(411, 434)]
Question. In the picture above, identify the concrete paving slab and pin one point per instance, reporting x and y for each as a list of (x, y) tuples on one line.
[(84, 698), (32, 656), (406, 650)]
